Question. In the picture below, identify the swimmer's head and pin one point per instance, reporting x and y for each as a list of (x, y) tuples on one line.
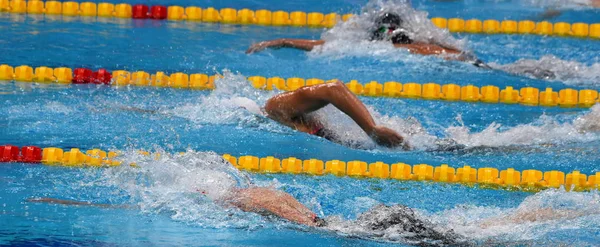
[(388, 19), (388, 27)]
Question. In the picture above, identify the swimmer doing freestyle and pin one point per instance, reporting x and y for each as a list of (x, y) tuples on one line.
[(388, 27), (293, 110), (397, 219)]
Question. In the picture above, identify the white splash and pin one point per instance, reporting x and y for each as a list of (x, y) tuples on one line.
[(552, 68), (562, 4), (234, 101), (351, 38), (539, 214), (187, 186), (546, 130), (173, 185), (238, 103), (546, 212)]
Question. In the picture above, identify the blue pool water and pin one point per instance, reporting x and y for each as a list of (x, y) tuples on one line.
[(212, 123)]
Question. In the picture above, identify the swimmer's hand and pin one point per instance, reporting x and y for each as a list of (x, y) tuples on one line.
[(278, 43), (387, 137)]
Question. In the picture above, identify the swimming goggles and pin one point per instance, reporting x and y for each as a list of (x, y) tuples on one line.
[(389, 31)]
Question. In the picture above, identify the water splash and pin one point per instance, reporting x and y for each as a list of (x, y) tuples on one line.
[(238, 103), (187, 186), (552, 68), (171, 184), (234, 101), (537, 216), (544, 213), (351, 38), (562, 4), (584, 128)]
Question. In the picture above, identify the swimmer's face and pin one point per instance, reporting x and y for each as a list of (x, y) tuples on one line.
[(387, 25)]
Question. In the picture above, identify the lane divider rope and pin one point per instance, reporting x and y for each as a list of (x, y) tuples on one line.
[(281, 18), (487, 177), (529, 96)]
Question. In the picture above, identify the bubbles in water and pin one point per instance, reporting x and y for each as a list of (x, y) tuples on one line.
[(49, 108)]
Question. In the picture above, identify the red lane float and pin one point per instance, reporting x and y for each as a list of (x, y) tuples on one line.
[(27, 154), (82, 76), (31, 154), (102, 76), (139, 11), (158, 12), (9, 153)]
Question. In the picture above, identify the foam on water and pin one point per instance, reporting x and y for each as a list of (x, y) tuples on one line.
[(551, 68)]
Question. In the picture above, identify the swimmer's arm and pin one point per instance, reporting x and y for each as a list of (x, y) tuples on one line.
[(73, 203), (548, 14), (539, 215), (264, 200), (302, 44), (428, 49)]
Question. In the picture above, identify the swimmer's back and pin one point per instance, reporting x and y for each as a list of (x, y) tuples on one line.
[(402, 221)]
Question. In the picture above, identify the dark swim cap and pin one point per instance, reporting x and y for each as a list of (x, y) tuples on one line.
[(388, 18), (388, 22)]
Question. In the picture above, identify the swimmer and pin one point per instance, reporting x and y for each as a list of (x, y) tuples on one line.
[(293, 110), (388, 27), (260, 200), (397, 220), (269, 202), (555, 10)]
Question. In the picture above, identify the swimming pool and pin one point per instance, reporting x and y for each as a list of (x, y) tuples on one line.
[(90, 116)]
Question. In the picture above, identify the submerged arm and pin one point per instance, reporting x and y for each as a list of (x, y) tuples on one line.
[(73, 203), (302, 44)]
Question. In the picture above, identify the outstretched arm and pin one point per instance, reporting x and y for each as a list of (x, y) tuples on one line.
[(264, 200), (427, 49), (521, 216), (302, 44), (73, 203)]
